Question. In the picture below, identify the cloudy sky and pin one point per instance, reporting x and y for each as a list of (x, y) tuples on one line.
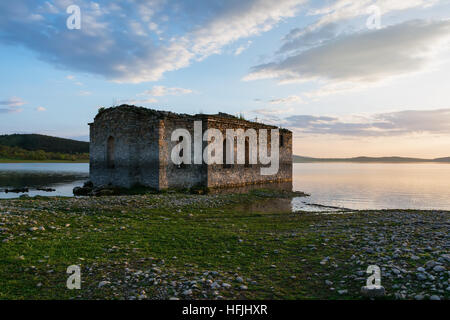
[(366, 77)]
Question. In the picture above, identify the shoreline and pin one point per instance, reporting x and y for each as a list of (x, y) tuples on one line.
[(374, 162), (294, 162), (42, 161), (216, 246)]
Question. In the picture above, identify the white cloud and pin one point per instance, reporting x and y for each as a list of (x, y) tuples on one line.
[(49, 8), (160, 91), (298, 39), (73, 79), (272, 112), (242, 48), (155, 28), (84, 93), (12, 102), (272, 115), (288, 100), (121, 41), (137, 102), (342, 10), (397, 123), (363, 57), (340, 88), (156, 91), (241, 20), (11, 105), (41, 109), (138, 29), (10, 110)]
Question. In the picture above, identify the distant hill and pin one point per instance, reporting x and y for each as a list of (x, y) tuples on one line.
[(301, 159), (446, 159), (34, 142)]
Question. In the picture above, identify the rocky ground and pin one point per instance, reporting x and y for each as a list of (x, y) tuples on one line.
[(177, 246)]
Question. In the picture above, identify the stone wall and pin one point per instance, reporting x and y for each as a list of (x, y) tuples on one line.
[(185, 175), (135, 151), (241, 174), (142, 151)]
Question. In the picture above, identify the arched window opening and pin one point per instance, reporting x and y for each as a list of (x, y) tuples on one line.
[(247, 152), (180, 140), (181, 154), (225, 152), (110, 153), (281, 140)]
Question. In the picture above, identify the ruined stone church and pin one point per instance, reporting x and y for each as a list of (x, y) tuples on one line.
[(132, 146)]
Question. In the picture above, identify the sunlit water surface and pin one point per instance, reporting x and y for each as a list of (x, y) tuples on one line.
[(373, 186)]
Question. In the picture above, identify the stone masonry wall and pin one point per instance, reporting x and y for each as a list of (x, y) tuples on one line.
[(136, 158), (185, 175), (142, 151), (240, 174)]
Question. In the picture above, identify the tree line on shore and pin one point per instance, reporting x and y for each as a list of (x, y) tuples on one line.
[(16, 153), (38, 147)]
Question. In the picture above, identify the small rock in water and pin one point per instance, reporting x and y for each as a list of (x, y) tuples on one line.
[(434, 297)]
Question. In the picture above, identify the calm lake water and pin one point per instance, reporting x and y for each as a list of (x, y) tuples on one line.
[(60, 176), (343, 185), (373, 186)]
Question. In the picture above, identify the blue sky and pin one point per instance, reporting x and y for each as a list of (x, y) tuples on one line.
[(344, 83)]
